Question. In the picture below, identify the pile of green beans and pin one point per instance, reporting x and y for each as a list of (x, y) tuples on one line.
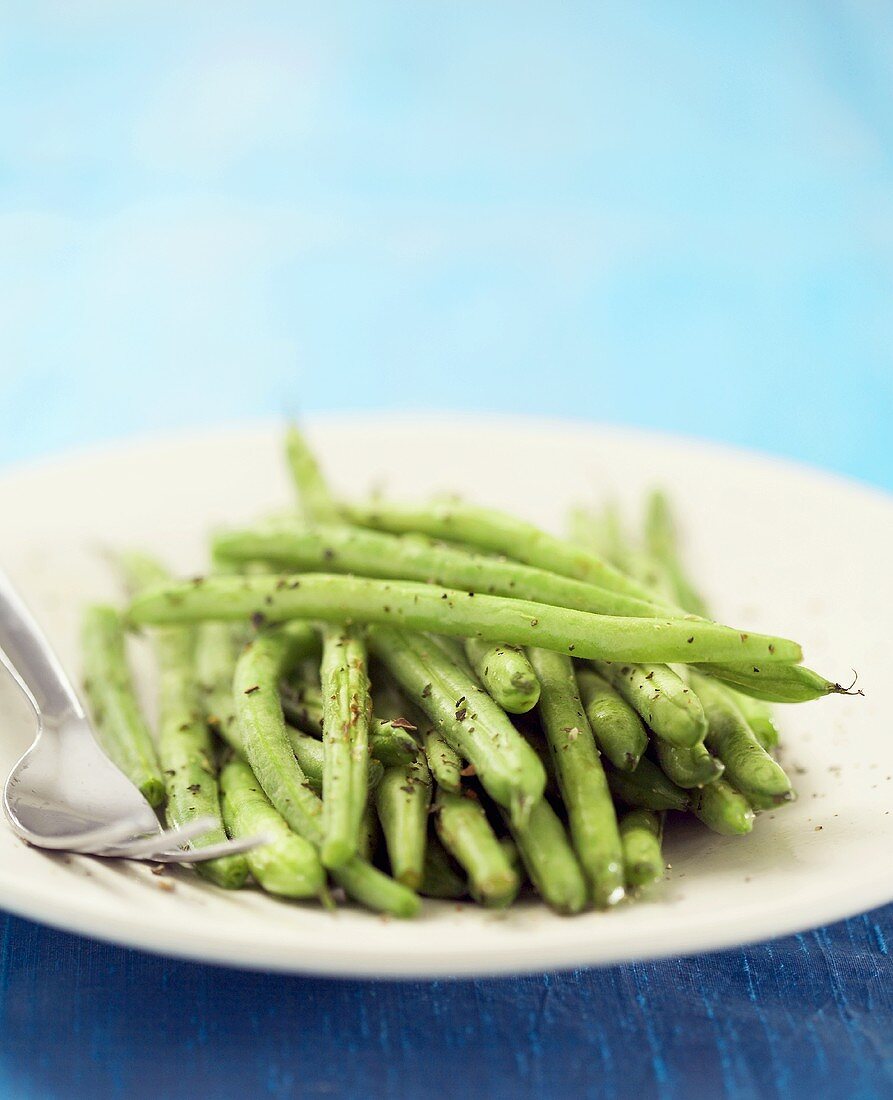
[(441, 700)]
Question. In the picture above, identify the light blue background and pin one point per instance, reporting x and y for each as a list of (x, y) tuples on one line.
[(673, 215)]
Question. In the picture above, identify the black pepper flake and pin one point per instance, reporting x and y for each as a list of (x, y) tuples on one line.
[(426, 691), (251, 690), (194, 787), (691, 639), (258, 618)]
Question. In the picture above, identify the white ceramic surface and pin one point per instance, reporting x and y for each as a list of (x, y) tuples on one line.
[(775, 547)]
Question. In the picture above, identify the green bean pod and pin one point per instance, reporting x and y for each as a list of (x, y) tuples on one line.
[(445, 763), (749, 768), (759, 718), (391, 741), (424, 607), (640, 833), (287, 865), (465, 716), (662, 542), (694, 767), (581, 778), (506, 673), (775, 683), (617, 728), (441, 878), (216, 652), (370, 834), (550, 861), (723, 809), (302, 705), (185, 749), (344, 549), (264, 741), (309, 753), (496, 533), (665, 703), (403, 799), (108, 683), (647, 788), (316, 499), (467, 835), (347, 711)]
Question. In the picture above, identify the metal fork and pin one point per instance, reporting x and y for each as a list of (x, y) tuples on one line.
[(65, 793)]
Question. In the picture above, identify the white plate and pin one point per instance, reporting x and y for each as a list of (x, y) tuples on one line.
[(776, 547)]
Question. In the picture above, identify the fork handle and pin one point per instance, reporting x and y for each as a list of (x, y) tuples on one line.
[(26, 654)]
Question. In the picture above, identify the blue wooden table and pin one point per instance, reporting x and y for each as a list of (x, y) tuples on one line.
[(671, 216)]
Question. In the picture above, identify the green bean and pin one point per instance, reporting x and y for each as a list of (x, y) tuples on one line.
[(309, 753), (759, 718), (442, 759), (647, 788), (749, 768), (370, 834), (108, 683), (687, 767), (302, 705), (215, 661), (446, 611), (465, 716), (662, 541), (391, 741), (403, 799), (513, 856), (185, 749), (581, 778), (506, 673), (636, 563), (287, 864), (457, 676), (466, 834), (550, 861), (445, 763), (316, 499), (265, 743), (441, 878), (343, 549), (263, 736), (662, 699), (723, 809), (617, 728), (347, 710), (497, 533), (600, 532), (777, 683), (640, 832)]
